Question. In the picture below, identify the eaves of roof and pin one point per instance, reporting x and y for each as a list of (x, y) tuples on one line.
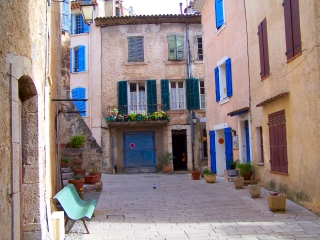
[(238, 111), (272, 99), (148, 19)]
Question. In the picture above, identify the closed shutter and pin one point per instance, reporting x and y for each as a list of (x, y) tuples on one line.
[(82, 59), (213, 159), (152, 96), (229, 77), (192, 89), (296, 27), (122, 97), (263, 47), (228, 146), (135, 49), (71, 24), (65, 15), (172, 51), (165, 95), (216, 74), (180, 47), (219, 13), (70, 65), (86, 27), (79, 93), (278, 142), (288, 28)]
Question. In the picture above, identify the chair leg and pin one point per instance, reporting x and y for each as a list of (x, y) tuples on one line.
[(85, 225)]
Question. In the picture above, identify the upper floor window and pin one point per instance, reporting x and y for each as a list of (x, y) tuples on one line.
[(177, 95), (263, 47), (117, 11), (175, 47), (135, 49), (219, 9), (292, 28), (79, 93), (78, 59), (65, 15), (77, 24), (137, 97), (202, 95), (200, 48), (223, 80)]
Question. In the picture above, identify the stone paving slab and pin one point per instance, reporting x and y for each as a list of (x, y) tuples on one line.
[(180, 208)]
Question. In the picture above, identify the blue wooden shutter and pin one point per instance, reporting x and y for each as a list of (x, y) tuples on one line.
[(65, 15), (228, 146), (79, 93), (216, 74), (135, 49), (122, 97), (70, 59), (213, 158), (172, 51), (219, 13), (229, 77), (192, 89), (71, 24), (139, 49), (82, 58), (152, 96), (86, 27), (180, 47), (165, 95)]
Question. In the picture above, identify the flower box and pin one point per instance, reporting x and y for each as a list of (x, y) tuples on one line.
[(277, 202)]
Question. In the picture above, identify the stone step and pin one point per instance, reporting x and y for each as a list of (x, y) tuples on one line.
[(66, 170), (66, 176)]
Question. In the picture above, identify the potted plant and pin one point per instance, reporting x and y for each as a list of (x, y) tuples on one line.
[(245, 170), (277, 202), (232, 168), (82, 172), (91, 179), (238, 182), (77, 181), (165, 161), (64, 162), (195, 175), (95, 172), (209, 176), (77, 141)]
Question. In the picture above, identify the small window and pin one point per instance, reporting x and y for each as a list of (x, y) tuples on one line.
[(135, 49), (175, 47), (78, 59), (223, 80), (219, 8), (292, 28), (79, 93), (117, 11), (65, 16), (78, 26), (200, 48), (177, 95), (202, 95)]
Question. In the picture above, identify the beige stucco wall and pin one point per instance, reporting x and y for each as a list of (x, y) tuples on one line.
[(229, 41), (299, 77), (156, 66)]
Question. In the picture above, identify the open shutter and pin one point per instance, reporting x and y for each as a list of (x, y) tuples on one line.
[(165, 96), (152, 96), (71, 24), (86, 27), (82, 59), (228, 146), (260, 36), (192, 89), (172, 51), (180, 47), (122, 97), (296, 27), (288, 28), (229, 77), (219, 13), (265, 48), (65, 15), (70, 59), (213, 159), (79, 93), (216, 74)]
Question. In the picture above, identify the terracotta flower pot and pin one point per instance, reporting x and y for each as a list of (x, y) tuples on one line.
[(80, 171), (166, 169), (195, 175), (78, 184), (91, 179), (95, 173)]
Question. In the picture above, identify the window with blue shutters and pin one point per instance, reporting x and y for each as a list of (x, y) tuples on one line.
[(78, 59), (177, 95), (223, 80), (79, 93), (122, 97), (135, 49), (165, 95), (152, 96), (175, 47), (65, 15), (219, 10), (77, 25), (192, 90)]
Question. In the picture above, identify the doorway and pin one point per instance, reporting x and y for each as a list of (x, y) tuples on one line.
[(179, 150)]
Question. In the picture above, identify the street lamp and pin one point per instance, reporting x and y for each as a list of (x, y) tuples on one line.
[(87, 8), (193, 120)]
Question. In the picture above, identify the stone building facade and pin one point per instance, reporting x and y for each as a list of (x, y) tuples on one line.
[(136, 77), (30, 47)]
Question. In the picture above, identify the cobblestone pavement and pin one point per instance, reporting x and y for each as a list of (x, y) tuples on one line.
[(180, 208)]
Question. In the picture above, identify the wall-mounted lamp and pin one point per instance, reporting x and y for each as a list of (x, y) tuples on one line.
[(234, 132), (194, 118), (87, 8)]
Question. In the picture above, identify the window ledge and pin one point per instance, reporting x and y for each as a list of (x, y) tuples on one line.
[(198, 62), (294, 57), (175, 62), (178, 111), (280, 173), (79, 72), (260, 164), (135, 63), (79, 34), (223, 101), (220, 29)]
